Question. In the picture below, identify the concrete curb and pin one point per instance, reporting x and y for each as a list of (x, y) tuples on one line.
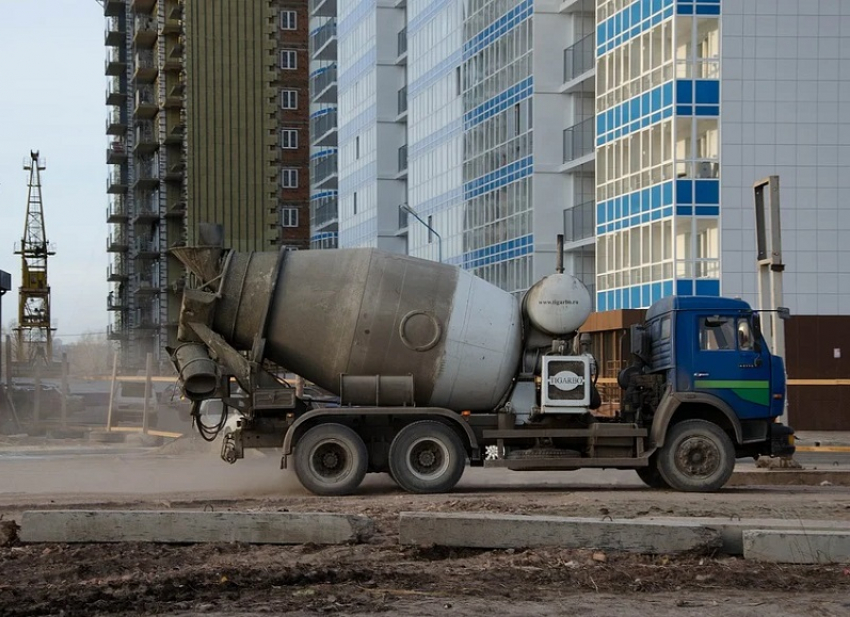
[(190, 527), (492, 531), (809, 547), (789, 477)]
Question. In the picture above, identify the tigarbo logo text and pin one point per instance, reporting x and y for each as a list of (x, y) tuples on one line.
[(557, 302), (566, 381)]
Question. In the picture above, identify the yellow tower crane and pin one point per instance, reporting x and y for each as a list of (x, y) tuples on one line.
[(34, 335)]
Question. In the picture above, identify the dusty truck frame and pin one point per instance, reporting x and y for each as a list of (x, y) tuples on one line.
[(434, 368)]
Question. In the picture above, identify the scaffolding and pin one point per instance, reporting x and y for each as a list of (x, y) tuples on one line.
[(34, 334)]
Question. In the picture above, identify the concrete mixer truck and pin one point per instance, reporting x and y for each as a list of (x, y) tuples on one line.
[(436, 369)]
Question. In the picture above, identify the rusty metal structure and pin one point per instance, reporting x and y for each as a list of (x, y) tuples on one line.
[(34, 334)]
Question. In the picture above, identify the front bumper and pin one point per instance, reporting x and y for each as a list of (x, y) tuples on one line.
[(781, 441)]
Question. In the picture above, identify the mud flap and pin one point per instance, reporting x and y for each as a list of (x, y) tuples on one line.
[(781, 441)]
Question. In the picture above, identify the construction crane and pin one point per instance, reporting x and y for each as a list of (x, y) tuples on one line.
[(34, 335)]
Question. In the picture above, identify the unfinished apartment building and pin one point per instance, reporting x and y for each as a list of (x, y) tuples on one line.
[(206, 123)]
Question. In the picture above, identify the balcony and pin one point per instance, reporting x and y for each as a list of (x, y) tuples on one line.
[(578, 6), (146, 106), (143, 6), (116, 153), (116, 303), (116, 182), (116, 92), (323, 8), (175, 126), (323, 85), (112, 8), (323, 40), (402, 45), (116, 123), (116, 62), (114, 34), (174, 172), (323, 128), (144, 34), (402, 217), (402, 101), (146, 141), (323, 170), (117, 243), (147, 210), (579, 65), (177, 210), (117, 273), (402, 159), (147, 321), (146, 70), (145, 285), (147, 177), (146, 248), (174, 93), (324, 210), (173, 57), (578, 141), (580, 222), (116, 211), (173, 19), (117, 332)]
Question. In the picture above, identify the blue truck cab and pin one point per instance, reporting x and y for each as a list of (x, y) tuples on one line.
[(706, 384)]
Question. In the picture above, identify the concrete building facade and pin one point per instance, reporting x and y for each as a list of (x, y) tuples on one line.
[(205, 125)]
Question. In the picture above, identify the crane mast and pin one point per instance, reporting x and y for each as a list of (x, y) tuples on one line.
[(34, 335)]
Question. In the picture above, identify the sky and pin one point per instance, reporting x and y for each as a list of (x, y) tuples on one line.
[(52, 99)]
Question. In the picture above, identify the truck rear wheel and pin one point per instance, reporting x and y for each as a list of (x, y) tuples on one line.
[(331, 459), (697, 456), (427, 457)]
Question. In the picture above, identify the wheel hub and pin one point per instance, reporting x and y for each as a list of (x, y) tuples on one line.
[(328, 460), (697, 457), (428, 458)]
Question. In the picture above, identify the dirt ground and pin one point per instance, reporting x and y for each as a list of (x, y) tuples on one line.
[(381, 578)]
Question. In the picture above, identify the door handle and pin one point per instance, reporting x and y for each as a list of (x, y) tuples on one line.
[(700, 374)]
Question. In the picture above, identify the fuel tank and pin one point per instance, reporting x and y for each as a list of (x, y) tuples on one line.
[(366, 312)]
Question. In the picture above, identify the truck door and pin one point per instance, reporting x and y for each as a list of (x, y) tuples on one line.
[(729, 365)]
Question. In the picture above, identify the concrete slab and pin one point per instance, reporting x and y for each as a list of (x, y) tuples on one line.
[(789, 477), (512, 531), (190, 527), (732, 530), (797, 546)]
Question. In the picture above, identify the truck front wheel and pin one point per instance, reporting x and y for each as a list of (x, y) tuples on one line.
[(331, 459), (427, 457), (697, 456), (650, 475)]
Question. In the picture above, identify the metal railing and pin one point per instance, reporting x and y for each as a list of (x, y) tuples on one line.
[(322, 35), (580, 221), (402, 100), (145, 133), (146, 245), (402, 42), (579, 58), (145, 171), (324, 211), (117, 207), (578, 140), (322, 80), (319, 125), (145, 96), (145, 59), (114, 55), (116, 178), (145, 24), (402, 158), (323, 168)]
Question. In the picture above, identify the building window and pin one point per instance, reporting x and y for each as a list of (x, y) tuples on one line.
[(289, 217), (355, 203), (289, 139), (288, 59), (289, 178), (289, 99), (288, 20), (357, 147)]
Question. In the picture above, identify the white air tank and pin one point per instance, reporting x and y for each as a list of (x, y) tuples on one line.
[(558, 304)]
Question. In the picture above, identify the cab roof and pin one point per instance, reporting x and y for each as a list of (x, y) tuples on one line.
[(696, 303)]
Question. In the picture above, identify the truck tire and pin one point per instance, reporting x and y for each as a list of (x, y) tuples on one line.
[(331, 459), (697, 456), (651, 476), (427, 457)]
